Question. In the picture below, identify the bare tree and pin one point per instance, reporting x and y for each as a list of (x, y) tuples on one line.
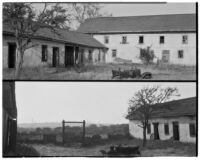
[(141, 104), (25, 23), (83, 11)]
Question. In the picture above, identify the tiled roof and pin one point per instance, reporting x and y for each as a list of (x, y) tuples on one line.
[(64, 36), (154, 23), (176, 108)]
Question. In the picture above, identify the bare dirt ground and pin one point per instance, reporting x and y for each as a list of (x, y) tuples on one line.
[(103, 72), (153, 149)]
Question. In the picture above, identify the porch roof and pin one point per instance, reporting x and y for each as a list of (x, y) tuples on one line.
[(62, 36)]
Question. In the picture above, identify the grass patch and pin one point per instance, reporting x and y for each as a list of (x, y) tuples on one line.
[(23, 150), (102, 72)]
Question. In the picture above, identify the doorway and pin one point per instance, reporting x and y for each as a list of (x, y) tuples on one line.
[(156, 132), (11, 55), (165, 56), (82, 55), (69, 55), (176, 131), (55, 57)]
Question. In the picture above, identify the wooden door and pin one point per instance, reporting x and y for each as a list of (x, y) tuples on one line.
[(165, 56), (55, 57), (175, 130), (11, 55), (156, 132), (69, 55)]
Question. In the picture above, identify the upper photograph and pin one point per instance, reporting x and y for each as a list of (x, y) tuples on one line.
[(99, 41)]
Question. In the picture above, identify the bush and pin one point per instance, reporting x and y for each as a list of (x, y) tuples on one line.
[(147, 55)]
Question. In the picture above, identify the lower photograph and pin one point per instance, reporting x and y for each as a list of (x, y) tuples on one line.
[(99, 119)]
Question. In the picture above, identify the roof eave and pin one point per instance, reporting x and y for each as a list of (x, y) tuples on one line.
[(56, 40)]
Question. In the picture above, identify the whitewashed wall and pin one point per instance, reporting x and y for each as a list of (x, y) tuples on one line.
[(131, 51), (184, 132), (32, 56)]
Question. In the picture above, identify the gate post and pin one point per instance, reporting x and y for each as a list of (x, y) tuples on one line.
[(63, 132), (83, 132)]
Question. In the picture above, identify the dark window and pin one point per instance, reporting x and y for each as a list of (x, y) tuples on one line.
[(99, 56), (106, 39), (90, 55), (141, 39), (166, 127), (162, 39), (180, 53), (149, 128), (192, 130), (185, 39), (44, 53), (124, 39), (114, 53)]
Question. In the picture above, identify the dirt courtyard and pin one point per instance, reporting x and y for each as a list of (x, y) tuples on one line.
[(102, 72), (153, 149)]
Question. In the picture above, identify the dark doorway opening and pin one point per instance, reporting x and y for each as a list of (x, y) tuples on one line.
[(156, 132), (11, 55), (82, 55), (76, 55), (69, 55), (176, 131), (55, 57)]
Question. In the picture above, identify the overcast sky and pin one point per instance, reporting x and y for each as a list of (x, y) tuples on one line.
[(132, 9), (95, 102)]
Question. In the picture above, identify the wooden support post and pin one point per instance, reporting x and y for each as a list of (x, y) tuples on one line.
[(83, 132), (74, 54), (63, 132)]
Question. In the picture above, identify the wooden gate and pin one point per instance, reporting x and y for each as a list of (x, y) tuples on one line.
[(73, 122)]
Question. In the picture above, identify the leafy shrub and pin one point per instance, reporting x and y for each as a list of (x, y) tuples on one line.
[(147, 55)]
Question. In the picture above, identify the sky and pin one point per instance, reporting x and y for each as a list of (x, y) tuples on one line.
[(131, 9), (95, 102)]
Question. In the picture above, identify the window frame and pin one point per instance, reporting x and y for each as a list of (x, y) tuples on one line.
[(184, 41), (106, 39), (162, 41), (166, 128), (124, 39), (113, 53), (139, 41), (180, 52), (192, 134), (44, 52)]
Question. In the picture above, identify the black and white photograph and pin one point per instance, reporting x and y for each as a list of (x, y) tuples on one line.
[(99, 119), (99, 41), (100, 79)]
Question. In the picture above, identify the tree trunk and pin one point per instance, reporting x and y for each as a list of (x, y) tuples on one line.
[(19, 62), (144, 136)]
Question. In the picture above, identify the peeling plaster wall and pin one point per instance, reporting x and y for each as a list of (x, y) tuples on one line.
[(184, 132)]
